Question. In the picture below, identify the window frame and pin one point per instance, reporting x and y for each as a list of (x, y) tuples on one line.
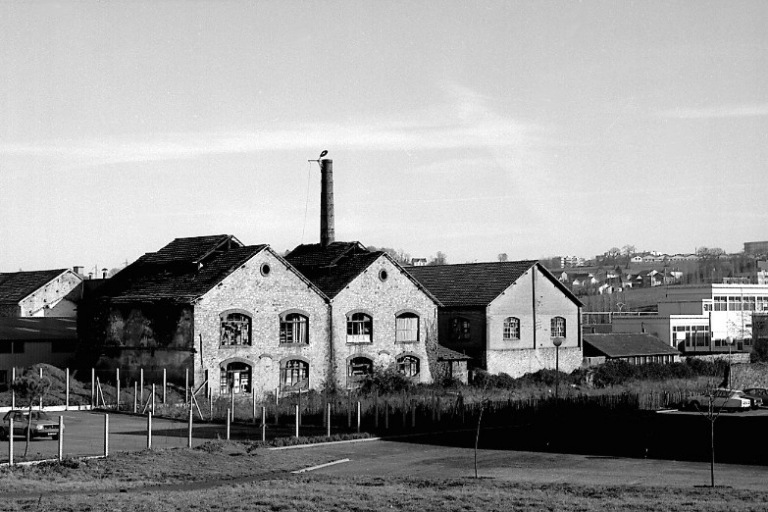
[(224, 318), (411, 360), (295, 367), (558, 327), (359, 321), (287, 322), (244, 385), (461, 329), (511, 329), (402, 334)]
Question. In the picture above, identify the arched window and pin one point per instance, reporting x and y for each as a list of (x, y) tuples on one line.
[(407, 328), (294, 375), (236, 377), (294, 328), (512, 328), (359, 367), (408, 365), (235, 328), (460, 329), (557, 327), (359, 328)]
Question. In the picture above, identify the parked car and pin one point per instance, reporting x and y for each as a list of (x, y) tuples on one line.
[(42, 425), (760, 393), (730, 399)]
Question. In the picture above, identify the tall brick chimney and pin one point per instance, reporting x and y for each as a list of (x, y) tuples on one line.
[(327, 230)]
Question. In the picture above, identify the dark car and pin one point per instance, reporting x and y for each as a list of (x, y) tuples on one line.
[(42, 425)]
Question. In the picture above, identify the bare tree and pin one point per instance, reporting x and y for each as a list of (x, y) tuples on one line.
[(30, 388), (439, 259), (503, 257)]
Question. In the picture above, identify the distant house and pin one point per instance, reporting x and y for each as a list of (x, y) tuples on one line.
[(635, 348), (507, 316), (41, 293), (26, 341), (380, 315)]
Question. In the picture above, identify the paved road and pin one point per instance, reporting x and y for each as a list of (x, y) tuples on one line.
[(84, 435), (405, 459)]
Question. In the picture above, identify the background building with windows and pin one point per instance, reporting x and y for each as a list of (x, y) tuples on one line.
[(40, 293), (505, 315), (705, 318)]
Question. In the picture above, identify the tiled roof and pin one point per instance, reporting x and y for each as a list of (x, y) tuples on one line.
[(181, 271), (332, 268), (315, 255), (30, 329), (446, 354), (15, 286), (629, 344), (470, 284)]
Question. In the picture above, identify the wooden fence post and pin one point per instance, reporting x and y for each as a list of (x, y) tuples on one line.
[(141, 385), (165, 384), (106, 435), (117, 386), (149, 431), (189, 430), (229, 411), (263, 424), (66, 398), (328, 421), (297, 420), (61, 437)]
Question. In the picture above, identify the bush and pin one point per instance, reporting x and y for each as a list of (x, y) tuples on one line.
[(384, 380)]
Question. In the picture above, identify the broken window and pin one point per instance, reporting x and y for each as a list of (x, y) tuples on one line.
[(294, 328), (408, 365), (236, 378), (358, 368), (235, 329), (359, 328), (557, 327), (406, 328), (512, 328), (295, 375), (460, 329)]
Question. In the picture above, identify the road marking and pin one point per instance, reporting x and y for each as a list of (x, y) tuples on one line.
[(320, 466)]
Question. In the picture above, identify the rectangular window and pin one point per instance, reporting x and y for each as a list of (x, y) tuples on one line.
[(721, 303), (294, 328), (407, 328)]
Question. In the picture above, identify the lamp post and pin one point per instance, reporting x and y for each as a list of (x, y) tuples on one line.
[(729, 341), (557, 342)]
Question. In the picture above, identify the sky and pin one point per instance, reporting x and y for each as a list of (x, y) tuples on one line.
[(477, 128)]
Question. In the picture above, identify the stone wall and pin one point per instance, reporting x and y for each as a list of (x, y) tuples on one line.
[(382, 299), (264, 297), (517, 363)]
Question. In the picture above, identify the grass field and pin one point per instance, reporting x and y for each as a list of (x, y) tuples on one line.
[(234, 477)]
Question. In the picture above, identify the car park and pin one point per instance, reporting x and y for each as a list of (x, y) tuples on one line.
[(722, 399), (43, 426)]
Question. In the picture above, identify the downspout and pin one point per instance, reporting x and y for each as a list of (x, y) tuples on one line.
[(533, 303), (331, 353)]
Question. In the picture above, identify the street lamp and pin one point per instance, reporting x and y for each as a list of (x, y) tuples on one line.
[(557, 342)]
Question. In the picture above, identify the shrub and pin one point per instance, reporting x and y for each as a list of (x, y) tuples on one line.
[(386, 379), (613, 373)]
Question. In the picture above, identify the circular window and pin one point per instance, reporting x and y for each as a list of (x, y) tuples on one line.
[(265, 270), (383, 275)]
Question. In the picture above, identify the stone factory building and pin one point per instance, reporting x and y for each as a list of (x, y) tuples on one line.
[(237, 317), (507, 316), (379, 315)]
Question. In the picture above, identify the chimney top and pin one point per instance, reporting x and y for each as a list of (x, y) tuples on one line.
[(327, 229)]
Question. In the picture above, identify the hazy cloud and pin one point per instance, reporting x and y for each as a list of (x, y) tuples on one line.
[(462, 121), (754, 110)]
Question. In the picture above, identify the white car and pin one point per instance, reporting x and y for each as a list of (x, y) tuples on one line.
[(731, 399)]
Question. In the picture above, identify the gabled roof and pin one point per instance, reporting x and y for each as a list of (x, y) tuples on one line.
[(315, 255), (38, 328), (629, 344), (16, 286), (180, 272), (333, 267), (477, 284)]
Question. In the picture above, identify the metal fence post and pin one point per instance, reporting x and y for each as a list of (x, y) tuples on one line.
[(153, 398), (149, 431), (229, 412), (141, 385), (10, 442), (117, 387), (13, 391), (328, 422), (263, 424), (41, 396), (135, 397), (296, 410), (165, 385), (358, 417), (189, 430), (93, 387), (61, 437), (106, 435)]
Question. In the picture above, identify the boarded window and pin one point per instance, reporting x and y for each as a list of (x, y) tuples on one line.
[(407, 328)]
